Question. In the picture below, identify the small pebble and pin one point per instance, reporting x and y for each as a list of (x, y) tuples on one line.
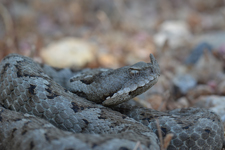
[(183, 83)]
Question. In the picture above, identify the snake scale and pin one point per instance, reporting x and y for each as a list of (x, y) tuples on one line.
[(36, 112)]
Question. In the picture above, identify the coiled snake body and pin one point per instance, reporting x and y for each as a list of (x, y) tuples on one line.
[(25, 88)]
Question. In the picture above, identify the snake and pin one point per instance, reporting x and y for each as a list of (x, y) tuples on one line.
[(43, 107)]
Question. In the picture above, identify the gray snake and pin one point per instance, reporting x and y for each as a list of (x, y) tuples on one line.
[(87, 103)]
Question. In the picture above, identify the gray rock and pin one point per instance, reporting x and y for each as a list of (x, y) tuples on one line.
[(183, 83), (197, 52)]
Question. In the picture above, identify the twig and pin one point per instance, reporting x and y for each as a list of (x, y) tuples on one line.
[(164, 143), (138, 145), (166, 96), (167, 140), (160, 134)]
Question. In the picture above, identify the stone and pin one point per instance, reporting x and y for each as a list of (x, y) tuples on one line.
[(183, 83), (176, 32), (197, 52), (68, 52), (207, 68), (183, 102), (199, 90)]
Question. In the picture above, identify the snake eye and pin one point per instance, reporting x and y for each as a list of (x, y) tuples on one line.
[(134, 73), (151, 70)]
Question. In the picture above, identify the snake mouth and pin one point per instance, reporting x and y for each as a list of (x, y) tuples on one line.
[(128, 92)]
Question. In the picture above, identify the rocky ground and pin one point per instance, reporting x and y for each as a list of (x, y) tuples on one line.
[(186, 37)]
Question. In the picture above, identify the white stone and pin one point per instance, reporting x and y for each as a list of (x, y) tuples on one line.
[(176, 32), (68, 52)]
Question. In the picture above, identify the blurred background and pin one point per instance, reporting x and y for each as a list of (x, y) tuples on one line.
[(187, 37)]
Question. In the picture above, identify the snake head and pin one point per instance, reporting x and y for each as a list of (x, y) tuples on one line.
[(140, 77), (112, 87)]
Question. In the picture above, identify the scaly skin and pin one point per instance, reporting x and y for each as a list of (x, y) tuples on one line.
[(25, 88), (193, 128), (125, 83), (25, 132)]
